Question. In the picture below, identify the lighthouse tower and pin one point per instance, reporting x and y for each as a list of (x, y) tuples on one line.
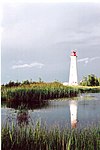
[(73, 69)]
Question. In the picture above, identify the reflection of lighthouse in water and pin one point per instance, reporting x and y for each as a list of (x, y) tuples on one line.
[(73, 113)]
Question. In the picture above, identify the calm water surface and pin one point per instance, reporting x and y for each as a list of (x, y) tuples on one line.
[(84, 109)]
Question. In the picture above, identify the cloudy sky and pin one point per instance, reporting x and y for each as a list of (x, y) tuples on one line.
[(37, 39)]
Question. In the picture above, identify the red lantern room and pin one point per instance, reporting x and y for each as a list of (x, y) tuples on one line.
[(73, 53)]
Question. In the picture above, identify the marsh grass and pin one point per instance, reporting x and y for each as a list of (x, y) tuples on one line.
[(38, 94), (37, 138)]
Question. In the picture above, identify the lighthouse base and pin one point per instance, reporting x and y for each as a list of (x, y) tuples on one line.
[(73, 84)]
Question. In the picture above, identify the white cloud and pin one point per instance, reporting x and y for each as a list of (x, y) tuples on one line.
[(94, 58), (35, 64), (87, 59)]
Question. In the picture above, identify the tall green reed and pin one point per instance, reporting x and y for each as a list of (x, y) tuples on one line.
[(36, 94), (30, 137)]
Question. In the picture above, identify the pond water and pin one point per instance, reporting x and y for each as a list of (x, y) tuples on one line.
[(80, 112)]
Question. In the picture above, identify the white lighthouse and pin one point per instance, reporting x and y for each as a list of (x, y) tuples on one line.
[(73, 69)]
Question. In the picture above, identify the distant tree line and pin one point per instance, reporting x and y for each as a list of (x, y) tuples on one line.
[(25, 82), (90, 80), (11, 84)]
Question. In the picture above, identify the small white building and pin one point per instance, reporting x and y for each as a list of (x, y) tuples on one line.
[(65, 83)]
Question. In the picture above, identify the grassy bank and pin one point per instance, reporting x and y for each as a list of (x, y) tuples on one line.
[(88, 89), (29, 138), (37, 94)]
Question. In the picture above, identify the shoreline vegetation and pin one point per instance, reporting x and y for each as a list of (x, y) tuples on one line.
[(39, 93), (29, 136), (37, 138)]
